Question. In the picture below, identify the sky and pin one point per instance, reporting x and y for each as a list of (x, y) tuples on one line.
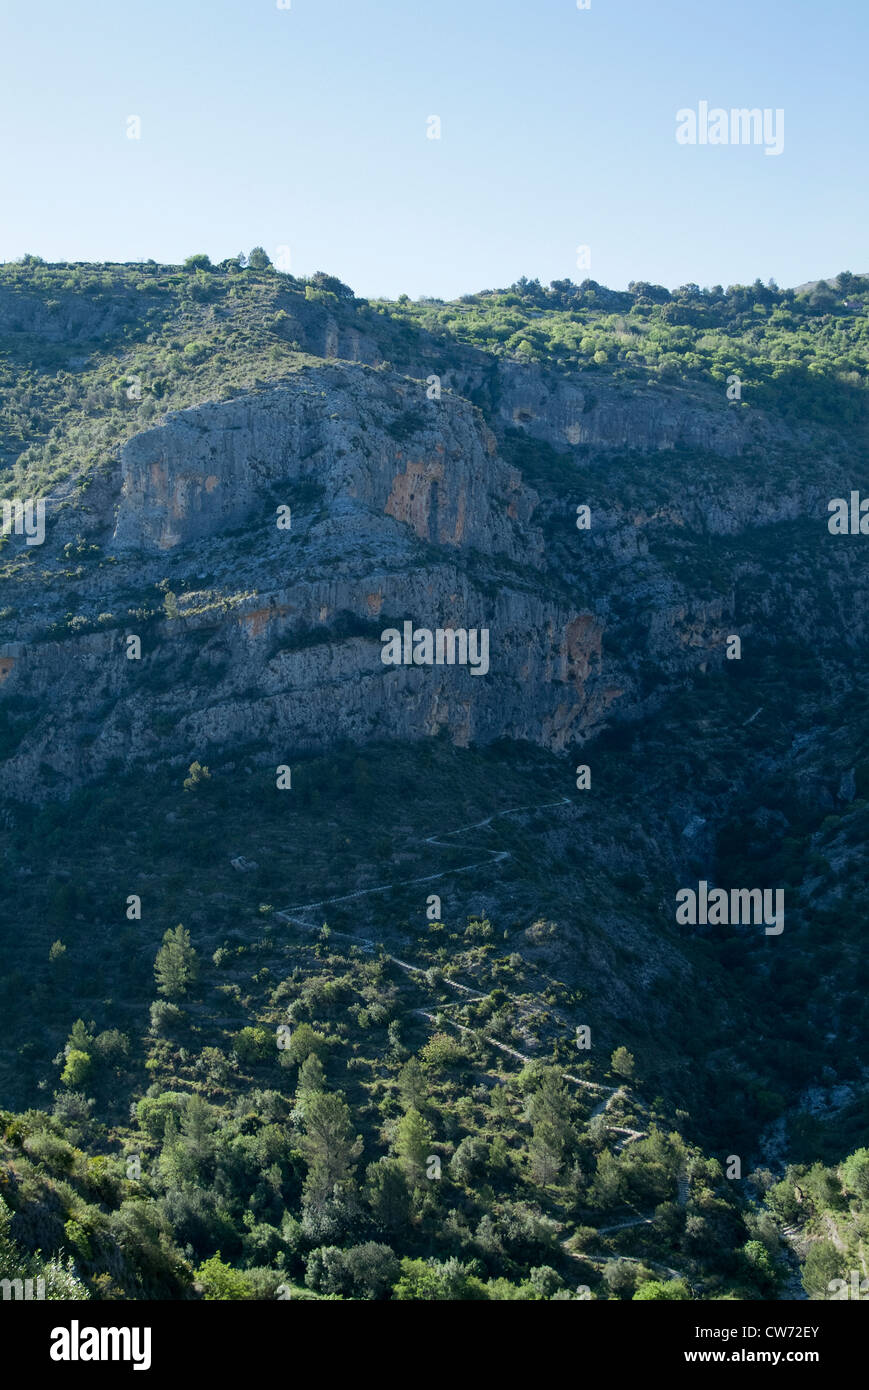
[(305, 130)]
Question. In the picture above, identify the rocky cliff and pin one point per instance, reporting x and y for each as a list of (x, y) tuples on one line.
[(707, 519)]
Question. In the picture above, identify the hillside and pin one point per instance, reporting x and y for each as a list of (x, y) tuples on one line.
[(334, 1085)]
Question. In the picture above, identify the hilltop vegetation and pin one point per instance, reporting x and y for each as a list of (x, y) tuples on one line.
[(90, 354)]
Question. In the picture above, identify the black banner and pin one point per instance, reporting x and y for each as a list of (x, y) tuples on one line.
[(226, 1338)]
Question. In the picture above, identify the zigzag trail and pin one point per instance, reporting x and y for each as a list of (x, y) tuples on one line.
[(438, 840)]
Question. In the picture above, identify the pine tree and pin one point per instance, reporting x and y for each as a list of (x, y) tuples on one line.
[(80, 1036), (328, 1145), (413, 1084), (388, 1194), (545, 1152), (622, 1062), (550, 1110), (175, 966), (311, 1082), (413, 1141)]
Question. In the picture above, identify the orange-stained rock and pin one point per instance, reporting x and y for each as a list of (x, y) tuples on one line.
[(410, 499), (582, 646), (258, 619)]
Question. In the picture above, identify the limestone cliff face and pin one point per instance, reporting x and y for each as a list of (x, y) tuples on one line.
[(434, 468), (404, 509), (566, 413), (70, 317), (246, 677)]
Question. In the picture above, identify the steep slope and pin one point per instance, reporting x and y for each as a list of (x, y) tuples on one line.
[(170, 420)]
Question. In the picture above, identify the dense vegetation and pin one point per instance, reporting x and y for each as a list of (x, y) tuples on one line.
[(252, 1105)]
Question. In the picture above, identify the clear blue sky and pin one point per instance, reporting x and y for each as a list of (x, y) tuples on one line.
[(307, 128)]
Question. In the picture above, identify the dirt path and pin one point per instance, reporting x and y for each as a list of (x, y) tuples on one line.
[(439, 841), (294, 916)]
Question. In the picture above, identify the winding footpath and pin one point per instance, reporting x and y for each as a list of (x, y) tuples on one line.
[(294, 916)]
